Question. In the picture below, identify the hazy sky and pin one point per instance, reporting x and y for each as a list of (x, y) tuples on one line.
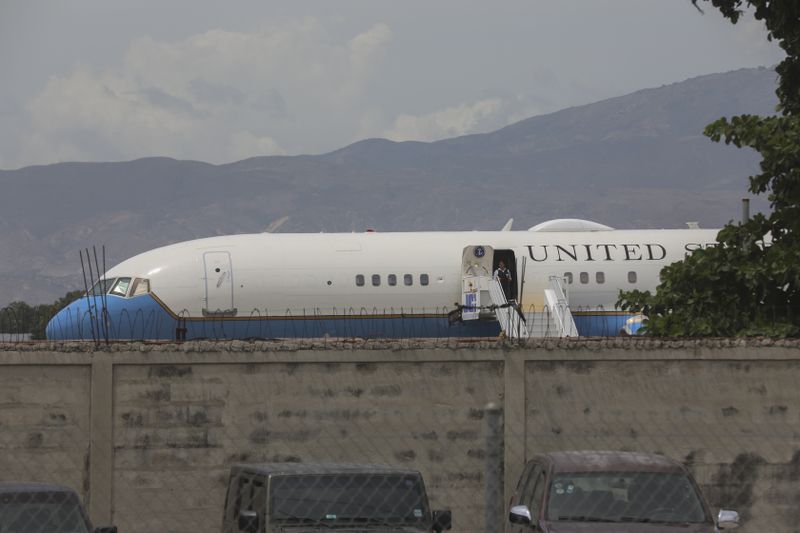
[(101, 80)]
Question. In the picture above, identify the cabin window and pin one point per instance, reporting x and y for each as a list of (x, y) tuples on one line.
[(423, 279), (140, 286), (631, 277), (408, 280), (600, 277), (376, 280), (584, 277), (391, 279), (121, 287), (359, 280), (568, 277)]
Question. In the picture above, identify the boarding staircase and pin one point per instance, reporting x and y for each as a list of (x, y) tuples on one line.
[(512, 321), (554, 320), (556, 315)]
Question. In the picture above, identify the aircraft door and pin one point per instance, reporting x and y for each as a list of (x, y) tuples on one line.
[(509, 260), (219, 284), (476, 271)]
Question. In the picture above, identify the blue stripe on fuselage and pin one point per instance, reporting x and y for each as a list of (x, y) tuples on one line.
[(146, 318), (600, 324)]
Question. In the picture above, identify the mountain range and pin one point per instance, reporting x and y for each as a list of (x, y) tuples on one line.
[(638, 160)]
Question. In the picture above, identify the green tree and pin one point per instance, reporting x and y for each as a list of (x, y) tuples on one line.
[(19, 317), (16, 317), (742, 286)]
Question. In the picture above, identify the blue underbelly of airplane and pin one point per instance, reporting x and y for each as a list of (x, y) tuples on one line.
[(600, 323), (147, 318)]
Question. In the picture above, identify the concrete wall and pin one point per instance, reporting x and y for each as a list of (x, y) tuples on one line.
[(147, 432), (44, 423), (735, 423)]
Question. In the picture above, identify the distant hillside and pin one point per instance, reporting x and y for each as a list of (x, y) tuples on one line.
[(638, 160)]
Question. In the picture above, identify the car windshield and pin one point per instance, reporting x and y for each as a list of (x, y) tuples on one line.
[(351, 498), (102, 286), (53, 512), (625, 497)]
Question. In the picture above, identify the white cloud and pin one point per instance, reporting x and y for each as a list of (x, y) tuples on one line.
[(309, 84), (216, 96), (366, 46), (450, 122)]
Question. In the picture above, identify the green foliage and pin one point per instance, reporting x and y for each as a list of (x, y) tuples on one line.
[(20, 317), (739, 287), (742, 286)]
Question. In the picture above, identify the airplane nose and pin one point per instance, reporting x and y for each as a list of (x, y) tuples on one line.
[(71, 323), (57, 328)]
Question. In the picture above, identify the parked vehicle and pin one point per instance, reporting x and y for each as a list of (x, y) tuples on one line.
[(266, 498), (40, 507), (623, 492)]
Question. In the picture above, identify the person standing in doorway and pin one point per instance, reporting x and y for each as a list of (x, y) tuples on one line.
[(503, 275)]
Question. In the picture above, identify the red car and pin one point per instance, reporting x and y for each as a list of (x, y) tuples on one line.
[(620, 492)]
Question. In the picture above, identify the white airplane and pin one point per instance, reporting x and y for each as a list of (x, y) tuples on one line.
[(421, 284)]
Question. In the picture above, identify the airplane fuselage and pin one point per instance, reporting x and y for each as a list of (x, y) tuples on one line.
[(289, 285)]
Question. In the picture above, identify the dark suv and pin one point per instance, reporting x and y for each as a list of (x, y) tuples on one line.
[(265, 498), (40, 507), (620, 492)]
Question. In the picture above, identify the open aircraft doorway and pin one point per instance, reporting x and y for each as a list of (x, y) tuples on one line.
[(510, 261)]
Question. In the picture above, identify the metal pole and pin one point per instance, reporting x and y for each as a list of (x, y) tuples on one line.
[(89, 287), (745, 210), (494, 475)]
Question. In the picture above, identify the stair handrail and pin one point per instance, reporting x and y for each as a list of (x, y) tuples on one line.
[(562, 314), (508, 314)]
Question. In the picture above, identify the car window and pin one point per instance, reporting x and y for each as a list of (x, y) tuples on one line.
[(258, 502), (538, 494), (53, 512), (527, 491), (625, 497), (232, 500), (339, 500), (242, 501), (523, 478)]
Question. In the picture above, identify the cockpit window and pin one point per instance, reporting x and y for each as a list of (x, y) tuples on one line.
[(121, 287), (102, 286), (140, 286)]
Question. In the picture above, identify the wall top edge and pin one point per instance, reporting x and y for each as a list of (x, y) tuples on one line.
[(504, 346)]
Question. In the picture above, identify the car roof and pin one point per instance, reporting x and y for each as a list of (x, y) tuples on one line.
[(33, 487), (318, 469), (611, 461)]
